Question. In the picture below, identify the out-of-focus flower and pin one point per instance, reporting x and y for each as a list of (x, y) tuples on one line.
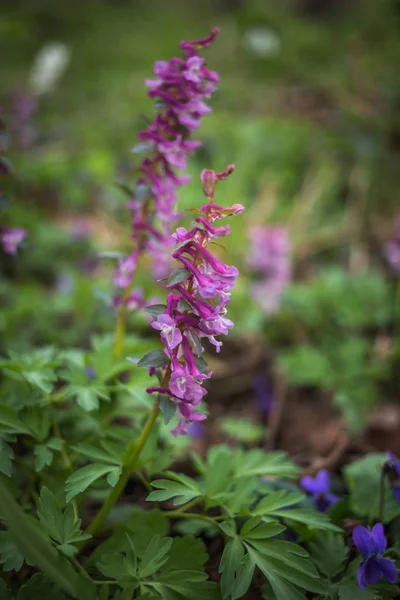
[(11, 239), (48, 66), (372, 544), (319, 487), (23, 106), (270, 259), (264, 393), (392, 250)]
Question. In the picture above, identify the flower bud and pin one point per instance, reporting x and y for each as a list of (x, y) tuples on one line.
[(209, 180)]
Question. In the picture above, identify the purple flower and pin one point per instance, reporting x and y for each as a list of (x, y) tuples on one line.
[(170, 333), (180, 89), (196, 309), (372, 544), (11, 239), (270, 260), (125, 270), (319, 488), (392, 250), (394, 474)]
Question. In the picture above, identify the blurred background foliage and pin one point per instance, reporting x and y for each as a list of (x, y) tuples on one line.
[(307, 109)]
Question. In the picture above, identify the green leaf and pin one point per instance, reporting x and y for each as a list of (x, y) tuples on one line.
[(363, 480), (155, 555), (61, 526), (328, 551), (6, 457), (305, 365), (187, 553), (178, 276), (155, 309), (39, 587), (273, 557), (186, 585), (38, 550), (167, 406), (11, 423), (242, 430), (311, 518), (262, 531), (154, 358), (11, 557), (279, 589), (262, 464), (277, 500), (108, 452), (229, 565), (243, 577), (81, 479), (182, 492)]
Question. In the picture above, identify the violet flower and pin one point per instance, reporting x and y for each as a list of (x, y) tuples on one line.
[(270, 259), (394, 474), (372, 544), (195, 310), (319, 487), (180, 89), (392, 250)]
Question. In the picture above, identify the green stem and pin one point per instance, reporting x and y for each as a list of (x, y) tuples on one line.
[(177, 514), (135, 450), (120, 331)]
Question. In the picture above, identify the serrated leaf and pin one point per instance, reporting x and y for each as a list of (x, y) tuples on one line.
[(40, 587), (108, 453), (243, 577), (154, 358), (229, 565), (155, 555), (37, 549), (277, 500), (178, 276), (61, 526), (266, 464), (166, 489), (328, 551), (311, 518), (81, 479), (187, 553), (11, 557), (167, 406), (11, 423)]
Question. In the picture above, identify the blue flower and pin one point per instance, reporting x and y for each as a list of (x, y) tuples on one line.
[(372, 544), (395, 465), (319, 487)]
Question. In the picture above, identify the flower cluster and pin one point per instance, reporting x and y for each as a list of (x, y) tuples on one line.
[(372, 544), (319, 487), (10, 238), (180, 89), (392, 250), (270, 259), (196, 306)]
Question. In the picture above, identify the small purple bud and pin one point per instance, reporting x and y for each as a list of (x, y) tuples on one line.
[(209, 181)]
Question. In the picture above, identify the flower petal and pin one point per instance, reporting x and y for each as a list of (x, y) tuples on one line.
[(372, 572), (322, 477), (361, 575), (310, 485), (388, 569), (396, 491), (378, 536), (363, 541)]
